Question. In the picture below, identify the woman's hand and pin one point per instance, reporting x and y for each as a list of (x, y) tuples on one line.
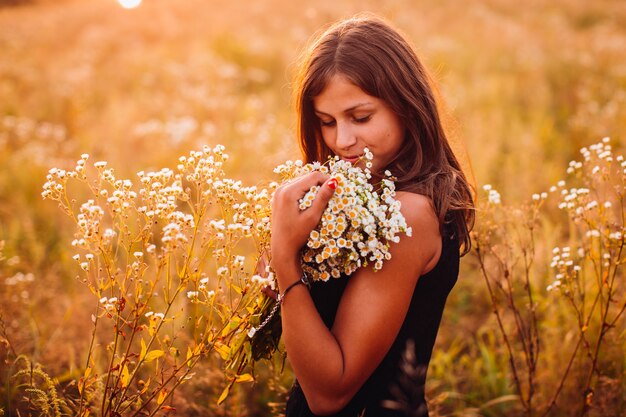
[(290, 225)]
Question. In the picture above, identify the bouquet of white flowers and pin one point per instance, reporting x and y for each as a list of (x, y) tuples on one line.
[(358, 224)]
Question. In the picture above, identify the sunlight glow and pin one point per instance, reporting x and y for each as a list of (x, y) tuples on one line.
[(129, 4)]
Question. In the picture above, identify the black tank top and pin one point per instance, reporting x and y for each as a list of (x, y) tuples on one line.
[(420, 326)]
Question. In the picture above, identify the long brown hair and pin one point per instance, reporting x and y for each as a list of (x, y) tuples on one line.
[(376, 58)]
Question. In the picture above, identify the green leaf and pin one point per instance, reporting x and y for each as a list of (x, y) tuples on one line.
[(223, 350), (143, 350), (162, 396), (154, 354), (224, 394), (124, 377), (244, 378)]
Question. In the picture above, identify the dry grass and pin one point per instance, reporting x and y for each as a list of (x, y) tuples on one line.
[(526, 85)]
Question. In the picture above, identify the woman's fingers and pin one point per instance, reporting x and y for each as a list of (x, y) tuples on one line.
[(302, 184), (287, 195), (323, 196), (290, 225)]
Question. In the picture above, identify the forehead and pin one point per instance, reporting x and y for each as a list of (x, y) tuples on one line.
[(340, 94)]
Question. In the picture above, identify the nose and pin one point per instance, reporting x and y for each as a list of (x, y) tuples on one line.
[(346, 137)]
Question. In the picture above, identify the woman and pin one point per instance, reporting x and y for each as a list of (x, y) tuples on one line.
[(362, 86)]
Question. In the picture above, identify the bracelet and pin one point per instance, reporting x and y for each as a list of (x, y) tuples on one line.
[(304, 279)]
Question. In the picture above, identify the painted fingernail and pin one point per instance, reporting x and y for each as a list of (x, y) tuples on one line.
[(332, 183)]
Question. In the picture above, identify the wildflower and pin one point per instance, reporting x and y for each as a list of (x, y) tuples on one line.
[(238, 261), (494, 197), (355, 213)]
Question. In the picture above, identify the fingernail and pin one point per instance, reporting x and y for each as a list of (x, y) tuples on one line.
[(332, 183)]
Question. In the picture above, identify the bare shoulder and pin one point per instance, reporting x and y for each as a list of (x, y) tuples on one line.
[(425, 240), (412, 202), (418, 210)]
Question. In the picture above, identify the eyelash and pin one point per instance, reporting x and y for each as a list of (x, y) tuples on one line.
[(357, 120)]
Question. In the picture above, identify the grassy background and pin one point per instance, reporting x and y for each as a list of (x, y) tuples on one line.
[(525, 85)]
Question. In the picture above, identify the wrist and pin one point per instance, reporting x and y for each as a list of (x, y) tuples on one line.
[(286, 271), (303, 280)]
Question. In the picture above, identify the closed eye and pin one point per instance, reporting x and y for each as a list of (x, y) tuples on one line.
[(363, 119), (328, 123)]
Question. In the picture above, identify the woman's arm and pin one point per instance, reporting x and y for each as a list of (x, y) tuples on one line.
[(331, 365)]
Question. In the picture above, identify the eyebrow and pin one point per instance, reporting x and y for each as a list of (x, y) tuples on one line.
[(348, 110)]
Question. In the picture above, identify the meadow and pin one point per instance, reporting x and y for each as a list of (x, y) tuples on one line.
[(527, 331)]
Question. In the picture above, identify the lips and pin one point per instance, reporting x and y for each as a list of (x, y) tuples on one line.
[(351, 158)]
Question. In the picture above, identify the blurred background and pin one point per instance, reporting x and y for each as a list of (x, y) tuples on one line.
[(139, 83)]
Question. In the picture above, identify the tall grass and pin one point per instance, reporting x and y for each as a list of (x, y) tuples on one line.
[(528, 87)]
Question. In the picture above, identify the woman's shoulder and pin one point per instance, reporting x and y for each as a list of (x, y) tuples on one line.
[(417, 208), (411, 197), (425, 240)]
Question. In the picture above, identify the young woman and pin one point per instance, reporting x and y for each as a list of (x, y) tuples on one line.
[(362, 86)]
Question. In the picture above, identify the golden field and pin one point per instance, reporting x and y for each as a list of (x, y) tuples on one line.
[(524, 86)]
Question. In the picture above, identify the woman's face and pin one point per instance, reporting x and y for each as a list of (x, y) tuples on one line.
[(351, 120)]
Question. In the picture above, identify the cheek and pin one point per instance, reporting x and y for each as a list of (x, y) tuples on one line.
[(320, 137), (388, 139), (396, 136), (325, 142), (391, 141)]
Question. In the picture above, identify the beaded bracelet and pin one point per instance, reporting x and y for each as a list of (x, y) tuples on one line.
[(304, 279)]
